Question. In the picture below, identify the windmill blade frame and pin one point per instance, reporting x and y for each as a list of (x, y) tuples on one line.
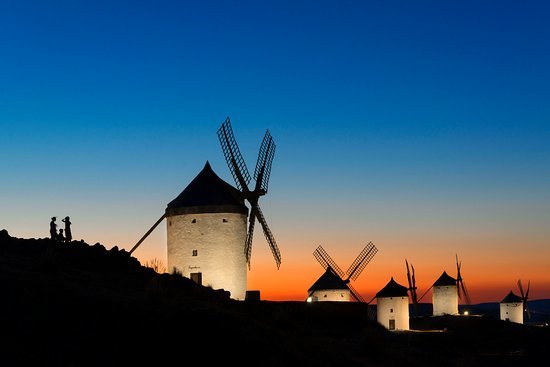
[(326, 261), (355, 294), (239, 171), (427, 290), (460, 286), (263, 164), (465, 292), (268, 235), (361, 261), (524, 297), (412, 287), (233, 156), (249, 236)]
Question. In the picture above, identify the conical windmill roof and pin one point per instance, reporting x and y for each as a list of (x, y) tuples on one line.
[(512, 298), (392, 289), (445, 279), (207, 193), (329, 280)]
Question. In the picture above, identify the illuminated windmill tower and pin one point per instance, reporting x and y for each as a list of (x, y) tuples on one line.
[(332, 286), (392, 306), (513, 306), (445, 296), (206, 224), (206, 232), (446, 292)]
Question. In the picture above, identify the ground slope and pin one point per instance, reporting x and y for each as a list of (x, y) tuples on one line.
[(74, 304)]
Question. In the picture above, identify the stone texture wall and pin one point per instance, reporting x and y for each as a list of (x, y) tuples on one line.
[(445, 300), (393, 308), (512, 311), (211, 244), (340, 295)]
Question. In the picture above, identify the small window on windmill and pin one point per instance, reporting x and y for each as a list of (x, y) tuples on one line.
[(391, 310), (224, 220), (169, 222), (194, 252), (194, 221), (325, 296)]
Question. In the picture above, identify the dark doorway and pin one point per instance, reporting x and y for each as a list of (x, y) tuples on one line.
[(392, 324), (197, 278)]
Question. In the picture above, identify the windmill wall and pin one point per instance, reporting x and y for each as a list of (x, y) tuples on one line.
[(337, 295), (211, 244), (445, 300), (512, 311), (393, 308)]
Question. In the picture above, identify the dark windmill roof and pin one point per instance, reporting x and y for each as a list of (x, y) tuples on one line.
[(445, 279), (207, 193), (512, 298), (329, 280), (393, 289)]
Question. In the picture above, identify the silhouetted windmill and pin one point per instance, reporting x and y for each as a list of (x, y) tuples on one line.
[(460, 283), (525, 297), (412, 287), (333, 270), (242, 178)]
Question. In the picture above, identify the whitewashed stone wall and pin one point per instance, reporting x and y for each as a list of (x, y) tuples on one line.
[(445, 300), (218, 239), (512, 312), (339, 295), (393, 308)]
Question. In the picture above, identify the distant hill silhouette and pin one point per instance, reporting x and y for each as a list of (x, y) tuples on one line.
[(75, 304)]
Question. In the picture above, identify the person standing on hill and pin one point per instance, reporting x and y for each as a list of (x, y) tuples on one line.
[(68, 234), (53, 229)]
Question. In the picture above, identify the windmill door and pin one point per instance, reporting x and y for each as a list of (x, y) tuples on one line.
[(392, 325), (197, 278)]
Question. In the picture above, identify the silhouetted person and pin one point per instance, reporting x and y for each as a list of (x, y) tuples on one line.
[(68, 234), (53, 229), (60, 236)]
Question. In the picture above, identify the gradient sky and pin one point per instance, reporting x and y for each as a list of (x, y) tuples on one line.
[(423, 126)]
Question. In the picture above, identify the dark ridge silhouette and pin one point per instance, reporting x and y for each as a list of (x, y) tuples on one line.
[(75, 304)]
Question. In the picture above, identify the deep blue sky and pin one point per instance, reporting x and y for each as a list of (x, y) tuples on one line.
[(420, 120)]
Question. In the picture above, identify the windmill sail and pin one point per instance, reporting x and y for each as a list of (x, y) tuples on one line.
[(361, 261), (412, 287), (358, 265), (239, 171), (263, 165), (233, 156), (326, 261), (355, 294), (269, 236), (460, 287), (525, 297)]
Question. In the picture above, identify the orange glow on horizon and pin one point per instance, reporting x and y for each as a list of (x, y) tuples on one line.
[(491, 266)]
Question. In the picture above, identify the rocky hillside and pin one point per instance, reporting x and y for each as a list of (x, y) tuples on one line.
[(75, 304)]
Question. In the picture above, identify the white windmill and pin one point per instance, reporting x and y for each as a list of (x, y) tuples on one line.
[(334, 285)]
